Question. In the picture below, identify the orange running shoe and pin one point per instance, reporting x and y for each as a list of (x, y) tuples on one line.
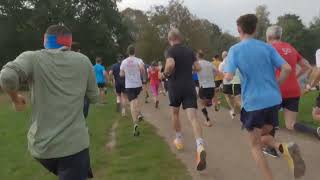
[(201, 158), (178, 144)]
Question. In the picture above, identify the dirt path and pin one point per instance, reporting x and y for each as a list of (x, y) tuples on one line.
[(229, 156)]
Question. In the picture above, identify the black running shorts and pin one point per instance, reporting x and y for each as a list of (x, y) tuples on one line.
[(120, 88), (74, 167), (187, 97), (133, 93), (292, 104), (206, 93), (232, 89), (259, 118), (101, 85)]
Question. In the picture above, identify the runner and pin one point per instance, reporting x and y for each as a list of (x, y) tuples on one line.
[(120, 87), (165, 82), (290, 88), (231, 89), (260, 110), (101, 77), (58, 137), (206, 80), (218, 81), (154, 76), (316, 109), (132, 69), (178, 70), (161, 87)]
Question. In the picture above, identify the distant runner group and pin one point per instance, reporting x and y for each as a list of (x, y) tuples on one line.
[(257, 79)]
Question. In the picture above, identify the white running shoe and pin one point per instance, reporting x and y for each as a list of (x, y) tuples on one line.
[(232, 114)]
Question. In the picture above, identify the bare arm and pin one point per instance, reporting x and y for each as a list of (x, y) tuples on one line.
[(285, 71), (228, 76), (169, 67), (196, 66), (304, 67)]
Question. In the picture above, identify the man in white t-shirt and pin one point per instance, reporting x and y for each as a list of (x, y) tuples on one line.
[(231, 89), (207, 85), (132, 68)]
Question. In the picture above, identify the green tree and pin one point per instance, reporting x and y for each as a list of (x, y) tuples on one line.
[(96, 25), (263, 21)]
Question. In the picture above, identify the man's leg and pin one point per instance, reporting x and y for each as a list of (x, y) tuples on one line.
[(197, 131), (118, 101), (134, 113), (291, 124), (123, 104), (230, 100), (102, 95), (177, 127), (256, 147), (203, 107)]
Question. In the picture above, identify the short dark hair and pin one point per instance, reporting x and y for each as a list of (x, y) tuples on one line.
[(99, 59), (200, 54), (131, 50), (217, 56), (58, 30), (248, 23)]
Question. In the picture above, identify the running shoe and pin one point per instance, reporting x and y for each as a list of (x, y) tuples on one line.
[(208, 123), (270, 152), (296, 164), (201, 158), (318, 132), (140, 117), (232, 114), (178, 144), (136, 131)]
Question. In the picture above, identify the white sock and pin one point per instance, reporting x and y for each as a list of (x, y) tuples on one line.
[(199, 142), (178, 135), (118, 100)]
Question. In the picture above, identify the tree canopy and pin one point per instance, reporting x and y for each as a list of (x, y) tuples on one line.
[(102, 30)]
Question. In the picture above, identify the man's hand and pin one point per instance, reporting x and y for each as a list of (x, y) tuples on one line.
[(19, 102)]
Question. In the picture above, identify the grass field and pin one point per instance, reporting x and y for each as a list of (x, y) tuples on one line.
[(144, 158)]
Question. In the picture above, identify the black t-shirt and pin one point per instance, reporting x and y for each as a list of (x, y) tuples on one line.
[(184, 59), (116, 73)]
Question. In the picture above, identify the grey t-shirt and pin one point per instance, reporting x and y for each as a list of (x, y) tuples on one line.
[(59, 81), (207, 74)]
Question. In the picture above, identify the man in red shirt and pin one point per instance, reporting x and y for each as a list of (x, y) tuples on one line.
[(290, 89)]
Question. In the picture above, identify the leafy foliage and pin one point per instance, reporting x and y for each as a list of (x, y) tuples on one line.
[(96, 25)]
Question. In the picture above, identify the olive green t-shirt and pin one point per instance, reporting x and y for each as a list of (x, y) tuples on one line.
[(59, 81)]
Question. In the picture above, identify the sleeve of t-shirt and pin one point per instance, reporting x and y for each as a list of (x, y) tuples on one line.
[(299, 57), (122, 66), (276, 58), (141, 61), (231, 64), (23, 65), (318, 58)]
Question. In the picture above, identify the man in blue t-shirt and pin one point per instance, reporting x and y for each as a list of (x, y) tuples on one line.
[(257, 62), (100, 77)]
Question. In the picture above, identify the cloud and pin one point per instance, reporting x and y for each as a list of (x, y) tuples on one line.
[(224, 13)]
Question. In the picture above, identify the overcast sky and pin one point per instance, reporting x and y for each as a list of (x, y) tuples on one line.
[(225, 12)]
